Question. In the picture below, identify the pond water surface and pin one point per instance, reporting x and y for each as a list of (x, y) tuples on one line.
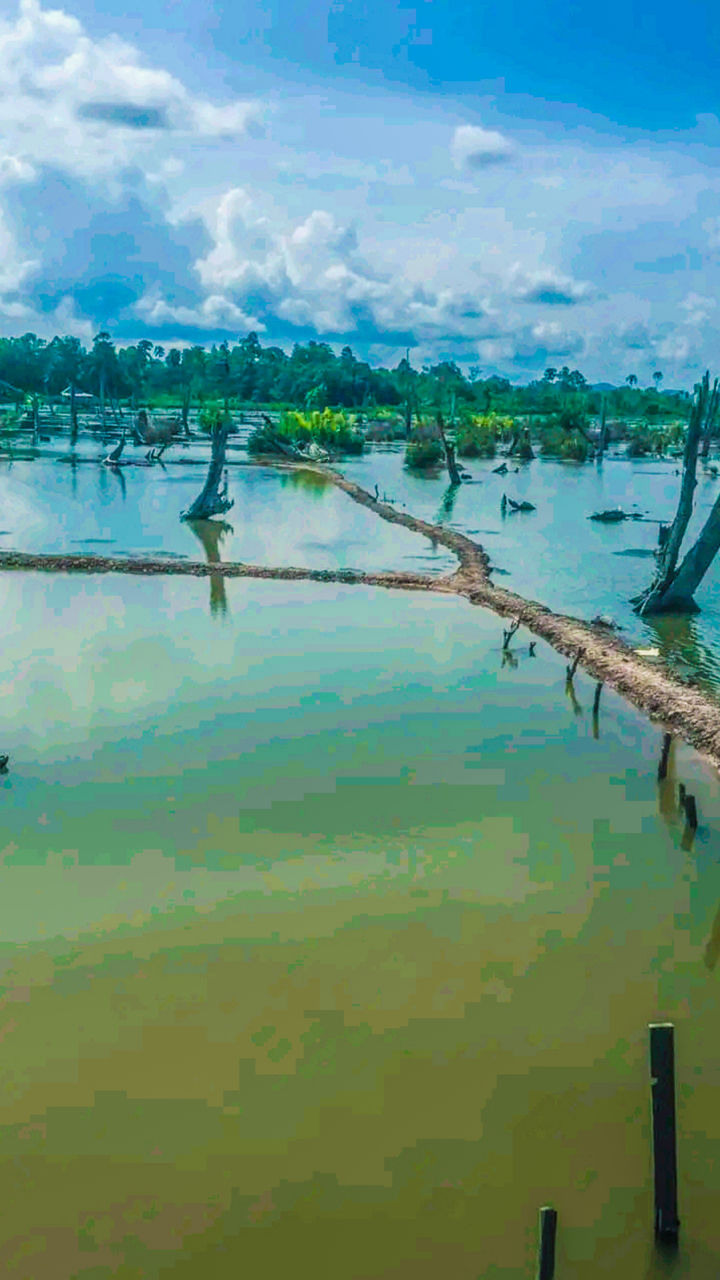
[(555, 554), (329, 943), (279, 518)]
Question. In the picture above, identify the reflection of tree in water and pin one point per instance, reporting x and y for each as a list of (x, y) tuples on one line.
[(311, 483), (211, 533), (712, 950), (120, 477), (447, 506), (676, 636), (667, 785)]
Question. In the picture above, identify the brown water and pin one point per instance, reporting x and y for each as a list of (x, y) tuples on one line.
[(329, 944)]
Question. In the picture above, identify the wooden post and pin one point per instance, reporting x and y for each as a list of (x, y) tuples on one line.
[(546, 1243), (596, 701), (662, 1073)]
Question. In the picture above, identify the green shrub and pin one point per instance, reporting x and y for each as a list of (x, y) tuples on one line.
[(332, 431), (422, 455), (557, 443)]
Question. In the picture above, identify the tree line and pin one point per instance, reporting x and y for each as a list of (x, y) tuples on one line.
[(310, 377)]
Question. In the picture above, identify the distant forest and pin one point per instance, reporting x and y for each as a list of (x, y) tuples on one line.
[(310, 377)]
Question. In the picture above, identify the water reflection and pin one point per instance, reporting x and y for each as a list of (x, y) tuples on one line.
[(447, 505), (570, 691), (311, 483), (712, 950), (678, 639), (211, 533)]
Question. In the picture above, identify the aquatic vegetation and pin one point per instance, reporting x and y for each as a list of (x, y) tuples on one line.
[(334, 431), (423, 455), (480, 435)]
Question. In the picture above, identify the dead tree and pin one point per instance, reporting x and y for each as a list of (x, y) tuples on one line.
[(572, 669), (213, 500), (73, 416), (508, 635), (114, 455), (603, 440), (449, 451), (672, 588), (711, 419)]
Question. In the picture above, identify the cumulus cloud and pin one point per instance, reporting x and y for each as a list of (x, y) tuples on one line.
[(550, 289), (93, 100), (476, 148), (315, 275)]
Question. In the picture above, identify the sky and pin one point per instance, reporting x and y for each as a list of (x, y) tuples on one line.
[(511, 186)]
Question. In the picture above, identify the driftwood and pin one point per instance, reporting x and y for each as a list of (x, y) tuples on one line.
[(213, 500), (521, 506), (614, 515)]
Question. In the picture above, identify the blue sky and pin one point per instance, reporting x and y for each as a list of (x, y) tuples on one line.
[(510, 186)]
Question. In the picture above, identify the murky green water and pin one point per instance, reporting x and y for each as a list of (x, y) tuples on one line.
[(328, 937), (559, 557)]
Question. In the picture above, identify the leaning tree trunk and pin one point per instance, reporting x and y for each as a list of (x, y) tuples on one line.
[(709, 431), (213, 500), (678, 595), (449, 450), (73, 417), (653, 600)]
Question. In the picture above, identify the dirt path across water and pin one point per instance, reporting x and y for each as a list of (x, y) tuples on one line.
[(652, 688)]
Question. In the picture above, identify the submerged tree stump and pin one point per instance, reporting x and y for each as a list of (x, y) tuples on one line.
[(213, 500)]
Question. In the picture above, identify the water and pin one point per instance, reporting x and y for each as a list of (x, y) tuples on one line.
[(329, 943), (278, 518), (556, 555)]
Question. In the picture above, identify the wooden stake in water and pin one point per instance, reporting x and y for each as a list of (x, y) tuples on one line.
[(662, 1073), (546, 1243)]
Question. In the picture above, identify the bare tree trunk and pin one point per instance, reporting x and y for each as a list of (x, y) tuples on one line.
[(602, 443), (213, 500), (709, 431), (114, 456), (652, 601), (36, 418), (678, 596), (186, 410), (102, 398), (73, 416), (449, 450)]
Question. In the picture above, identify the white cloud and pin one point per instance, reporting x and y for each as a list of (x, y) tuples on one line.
[(91, 104), (675, 347), (548, 288), (697, 308), (475, 148)]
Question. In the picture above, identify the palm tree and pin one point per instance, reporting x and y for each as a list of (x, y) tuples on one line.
[(631, 380), (657, 379)]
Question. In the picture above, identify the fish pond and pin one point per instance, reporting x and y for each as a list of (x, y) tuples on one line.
[(329, 936)]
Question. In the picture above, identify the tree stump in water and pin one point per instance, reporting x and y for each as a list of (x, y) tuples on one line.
[(213, 500)]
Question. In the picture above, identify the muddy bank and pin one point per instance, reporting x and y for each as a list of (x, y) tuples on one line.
[(147, 566)]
